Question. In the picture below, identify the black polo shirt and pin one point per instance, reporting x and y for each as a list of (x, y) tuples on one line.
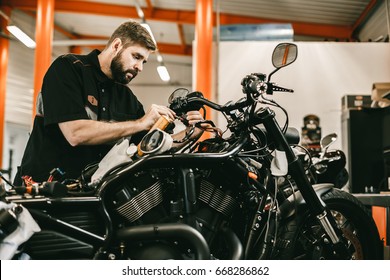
[(74, 88)]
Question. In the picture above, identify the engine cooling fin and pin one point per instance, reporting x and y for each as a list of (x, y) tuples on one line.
[(216, 199), (136, 207)]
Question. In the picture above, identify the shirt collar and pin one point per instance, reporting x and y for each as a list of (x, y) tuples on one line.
[(93, 57)]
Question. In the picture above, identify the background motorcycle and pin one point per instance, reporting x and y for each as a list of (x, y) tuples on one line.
[(329, 165), (220, 198), (326, 166)]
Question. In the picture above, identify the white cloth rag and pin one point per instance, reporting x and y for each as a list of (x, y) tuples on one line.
[(26, 228)]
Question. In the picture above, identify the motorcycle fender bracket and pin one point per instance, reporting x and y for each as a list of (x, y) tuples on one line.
[(289, 206)]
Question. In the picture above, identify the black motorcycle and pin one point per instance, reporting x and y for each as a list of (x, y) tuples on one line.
[(328, 166), (219, 198), (325, 166)]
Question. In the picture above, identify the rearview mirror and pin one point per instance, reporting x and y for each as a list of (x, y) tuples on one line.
[(284, 54), (178, 93), (328, 140)]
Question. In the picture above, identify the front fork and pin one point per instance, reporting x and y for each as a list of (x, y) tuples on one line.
[(296, 170)]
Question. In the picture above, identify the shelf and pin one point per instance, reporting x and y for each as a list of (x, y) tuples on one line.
[(374, 199)]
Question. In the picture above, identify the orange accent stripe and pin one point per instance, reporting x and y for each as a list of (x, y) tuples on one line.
[(379, 215), (252, 175), (285, 55), (364, 14)]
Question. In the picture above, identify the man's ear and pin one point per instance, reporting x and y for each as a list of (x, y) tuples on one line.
[(116, 45)]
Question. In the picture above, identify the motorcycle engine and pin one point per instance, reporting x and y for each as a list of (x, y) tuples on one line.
[(215, 206), (139, 200), (156, 197), (145, 192)]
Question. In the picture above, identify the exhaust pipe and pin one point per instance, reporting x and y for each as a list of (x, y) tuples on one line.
[(237, 250), (161, 231)]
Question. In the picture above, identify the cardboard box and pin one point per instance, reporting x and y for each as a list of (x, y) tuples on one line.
[(379, 90), (381, 94), (355, 102)]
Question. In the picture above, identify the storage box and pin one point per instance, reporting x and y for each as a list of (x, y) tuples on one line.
[(381, 94), (380, 90), (355, 102)]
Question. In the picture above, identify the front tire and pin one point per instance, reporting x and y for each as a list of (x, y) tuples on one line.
[(302, 237)]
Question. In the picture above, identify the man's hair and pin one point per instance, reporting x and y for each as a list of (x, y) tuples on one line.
[(133, 33)]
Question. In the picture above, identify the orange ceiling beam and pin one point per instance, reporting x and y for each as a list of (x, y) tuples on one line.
[(175, 49), (166, 48), (300, 28), (149, 4), (181, 17), (364, 15), (56, 27), (181, 35), (162, 47), (104, 9), (322, 30)]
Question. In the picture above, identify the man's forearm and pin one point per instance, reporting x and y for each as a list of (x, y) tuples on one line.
[(90, 132)]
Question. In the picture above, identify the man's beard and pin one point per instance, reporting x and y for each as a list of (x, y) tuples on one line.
[(119, 74)]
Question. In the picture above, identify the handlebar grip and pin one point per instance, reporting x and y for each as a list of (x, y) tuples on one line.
[(278, 88)]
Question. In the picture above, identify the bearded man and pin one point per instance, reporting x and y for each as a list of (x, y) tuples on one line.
[(85, 106)]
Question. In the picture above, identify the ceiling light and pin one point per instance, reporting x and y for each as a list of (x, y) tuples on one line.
[(163, 72), (139, 10), (159, 58), (21, 36), (147, 27)]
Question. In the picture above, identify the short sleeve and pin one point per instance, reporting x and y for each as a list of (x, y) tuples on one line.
[(62, 93)]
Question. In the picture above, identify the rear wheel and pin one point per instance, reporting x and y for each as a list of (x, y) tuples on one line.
[(302, 237)]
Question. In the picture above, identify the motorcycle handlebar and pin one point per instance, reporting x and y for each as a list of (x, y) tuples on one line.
[(256, 83), (260, 86), (252, 85), (282, 89), (190, 102)]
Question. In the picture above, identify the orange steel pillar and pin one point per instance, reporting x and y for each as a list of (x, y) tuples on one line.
[(4, 46), (44, 39), (204, 39)]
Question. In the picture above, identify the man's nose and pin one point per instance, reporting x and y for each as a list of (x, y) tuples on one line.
[(139, 66)]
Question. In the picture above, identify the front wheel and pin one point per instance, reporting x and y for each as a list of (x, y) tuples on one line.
[(302, 237)]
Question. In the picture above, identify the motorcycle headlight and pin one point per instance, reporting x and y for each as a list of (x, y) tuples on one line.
[(156, 142)]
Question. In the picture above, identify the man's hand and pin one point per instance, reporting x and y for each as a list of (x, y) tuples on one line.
[(193, 117), (154, 113), (90, 132)]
